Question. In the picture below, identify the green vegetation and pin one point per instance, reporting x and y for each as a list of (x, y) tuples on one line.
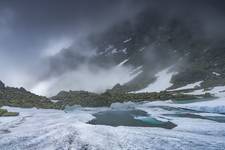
[(5, 113), (19, 97), (106, 99)]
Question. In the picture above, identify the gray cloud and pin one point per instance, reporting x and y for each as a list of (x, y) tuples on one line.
[(43, 40)]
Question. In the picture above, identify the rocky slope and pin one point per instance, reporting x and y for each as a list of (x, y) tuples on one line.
[(151, 42), (87, 99), (19, 97), (148, 43)]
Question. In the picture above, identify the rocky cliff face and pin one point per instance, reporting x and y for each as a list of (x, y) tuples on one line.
[(154, 41), (2, 85)]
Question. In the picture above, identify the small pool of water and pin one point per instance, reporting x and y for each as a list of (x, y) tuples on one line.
[(133, 118)]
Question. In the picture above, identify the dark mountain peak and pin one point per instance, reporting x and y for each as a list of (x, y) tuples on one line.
[(2, 85)]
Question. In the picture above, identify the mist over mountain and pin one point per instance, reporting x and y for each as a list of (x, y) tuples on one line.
[(48, 47), (112, 74)]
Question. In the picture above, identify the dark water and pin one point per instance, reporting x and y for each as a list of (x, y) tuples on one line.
[(134, 118)]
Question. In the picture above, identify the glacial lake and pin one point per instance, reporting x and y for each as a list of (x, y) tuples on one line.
[(133, 118), (147, 125)]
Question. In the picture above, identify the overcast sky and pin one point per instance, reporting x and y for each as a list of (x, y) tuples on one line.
[(31, 30), (34, 30)]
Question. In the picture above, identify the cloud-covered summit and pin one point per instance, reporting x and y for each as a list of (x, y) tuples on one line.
[(41, 41)]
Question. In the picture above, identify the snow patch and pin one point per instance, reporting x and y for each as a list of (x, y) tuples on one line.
[(114, 51), (136, 69), (188, 86), (135, 74), (132, 73), (162, 82), (124, 50), (215, 73), (197, 92), (218, 91), (107, 50), (127, 40), (122, 63)]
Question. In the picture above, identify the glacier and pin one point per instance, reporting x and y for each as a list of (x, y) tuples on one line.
[(57, 129)]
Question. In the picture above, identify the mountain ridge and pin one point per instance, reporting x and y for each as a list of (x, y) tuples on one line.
[(155, 44)]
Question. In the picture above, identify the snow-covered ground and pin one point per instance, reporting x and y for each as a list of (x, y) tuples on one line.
[(55, 129), (188, 86), (162, 82), (218, 91)]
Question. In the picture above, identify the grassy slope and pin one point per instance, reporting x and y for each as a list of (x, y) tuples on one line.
[(5, 113)]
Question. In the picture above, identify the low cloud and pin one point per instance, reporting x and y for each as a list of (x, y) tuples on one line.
[(84, 78), (44, 46)]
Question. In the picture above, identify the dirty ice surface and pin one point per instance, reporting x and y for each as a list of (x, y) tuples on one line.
[(198, 125)]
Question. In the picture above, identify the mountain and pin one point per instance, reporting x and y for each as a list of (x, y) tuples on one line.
[(160, 49), (143, 45), (20, 97), (88, 99), (151, 42)]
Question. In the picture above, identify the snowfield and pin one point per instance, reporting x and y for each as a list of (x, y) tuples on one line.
[(55, 129), (162, 82), (218, 91), (188, 86)]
